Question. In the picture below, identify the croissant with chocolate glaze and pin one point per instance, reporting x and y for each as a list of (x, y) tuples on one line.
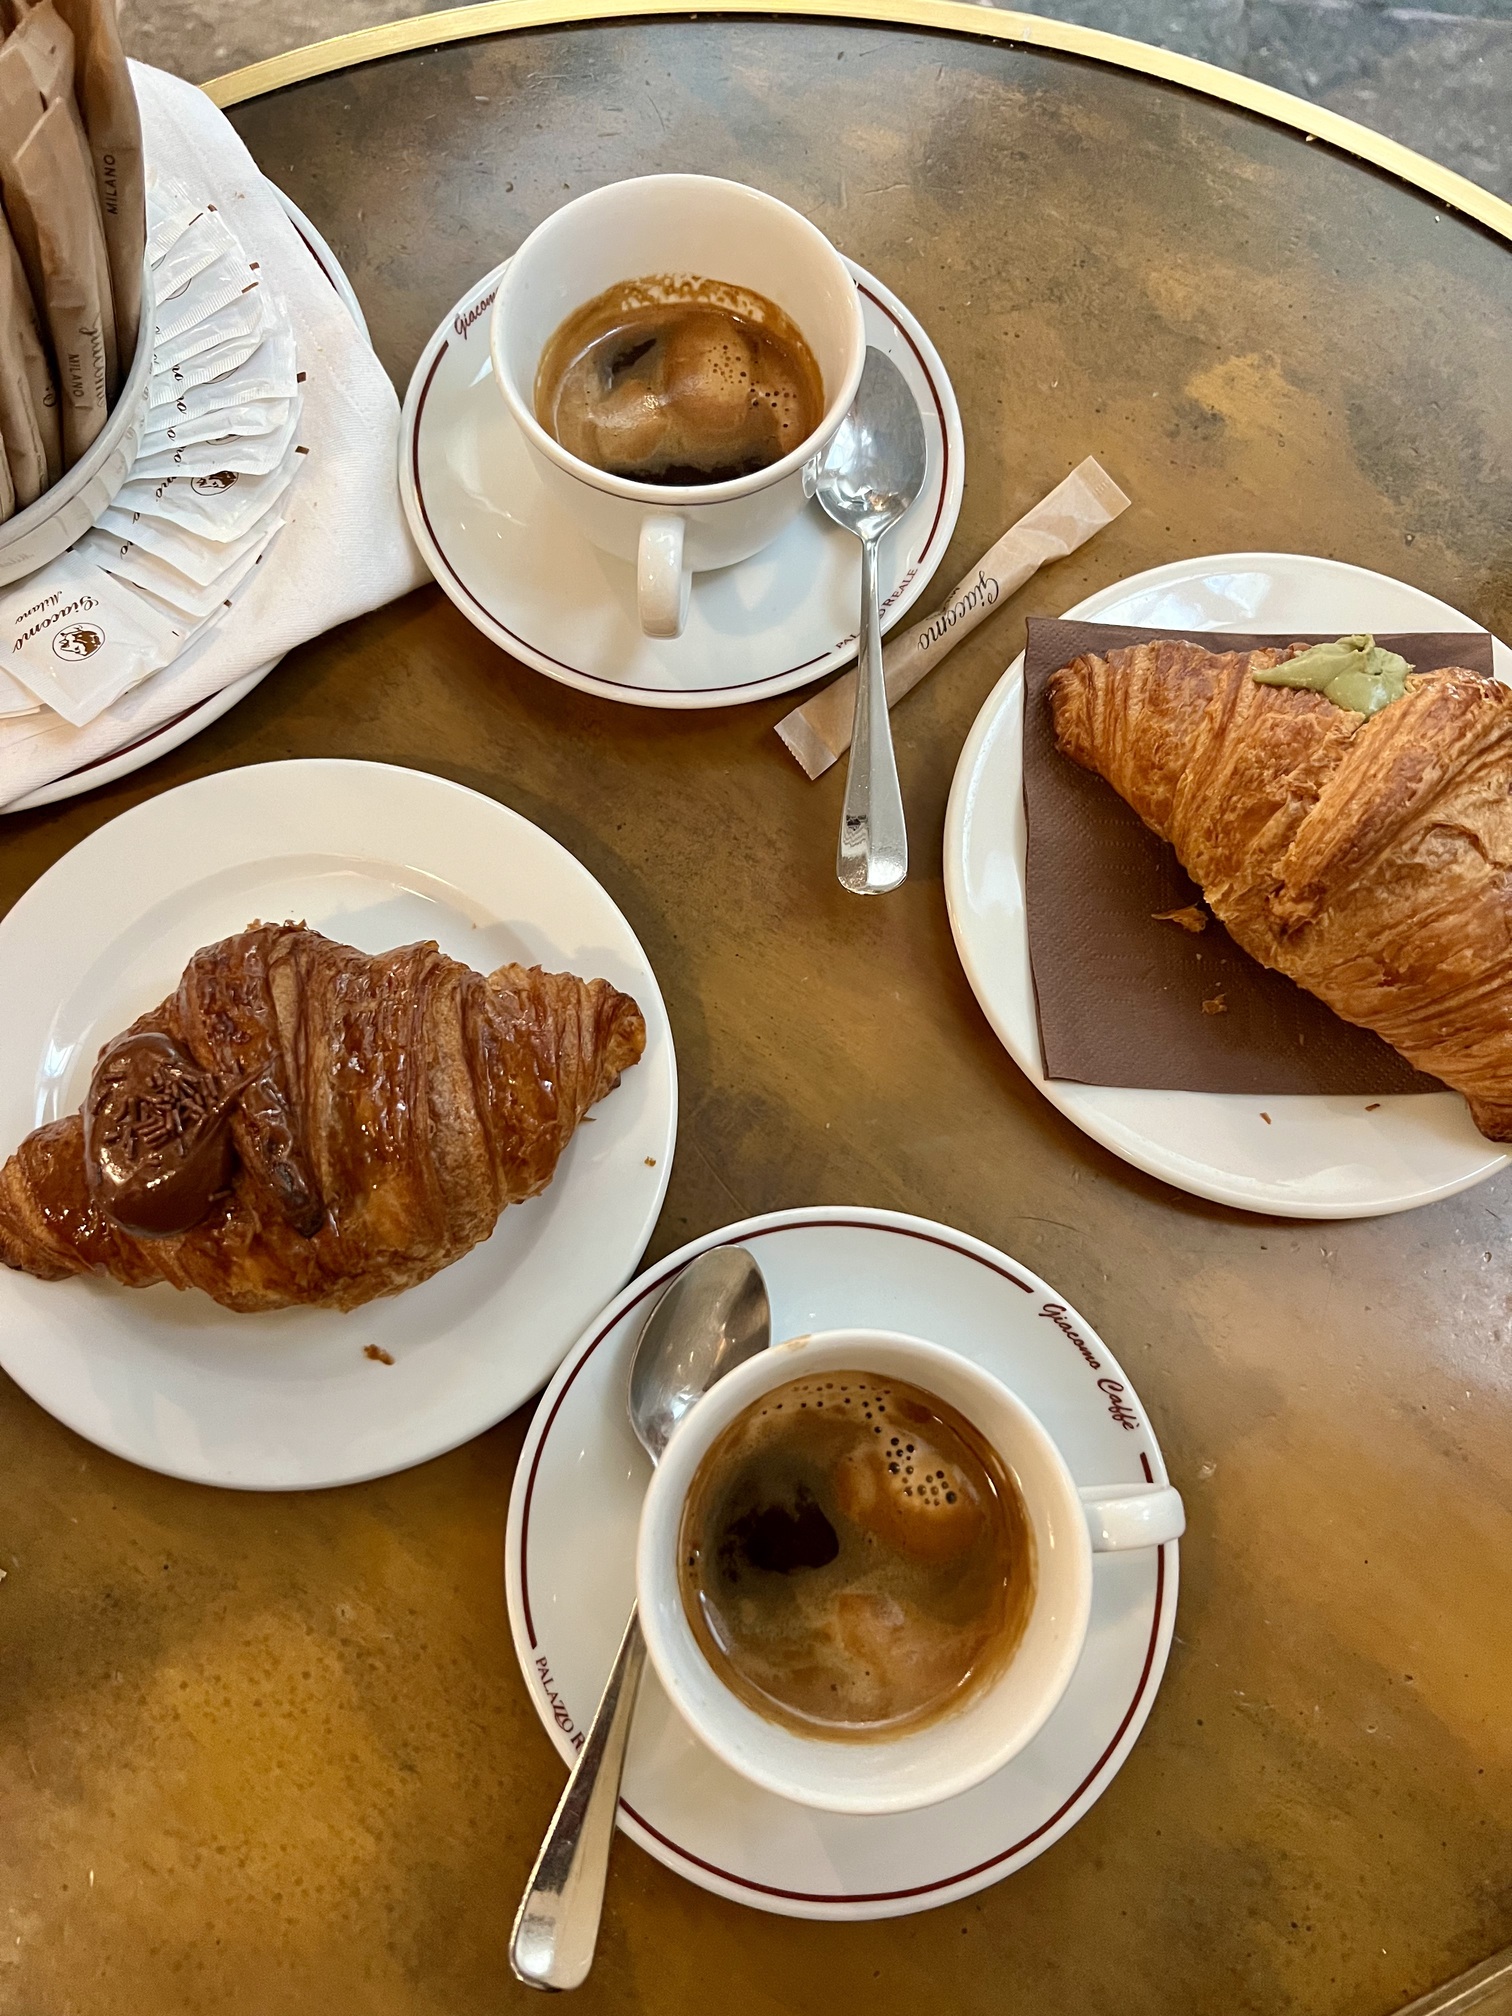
[(1370, 859), (302, 1123)]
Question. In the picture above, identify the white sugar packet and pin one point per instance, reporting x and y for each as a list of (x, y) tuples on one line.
[(205, 240), (254, 453), (345, 548), (172, 222), (78, 639), (218, 506), (268, 371), (206, 367), (133, 563), (203, 560), (221, 599), (199, 301), (238, 322), (259, 417), (171, 209)]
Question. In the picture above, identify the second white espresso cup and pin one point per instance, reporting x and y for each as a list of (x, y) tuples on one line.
[(890, 1774), (675, 225)]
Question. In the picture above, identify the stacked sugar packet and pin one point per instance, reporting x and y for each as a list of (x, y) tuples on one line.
[(202, 503)]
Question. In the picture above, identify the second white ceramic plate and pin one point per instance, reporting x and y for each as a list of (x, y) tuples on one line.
[(377, 857), (1316, 1157)]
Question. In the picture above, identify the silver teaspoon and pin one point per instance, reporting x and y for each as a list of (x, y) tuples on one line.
[(871, 473), (714, 1316)]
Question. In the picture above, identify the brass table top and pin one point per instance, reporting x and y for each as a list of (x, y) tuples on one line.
[(273, 1754)]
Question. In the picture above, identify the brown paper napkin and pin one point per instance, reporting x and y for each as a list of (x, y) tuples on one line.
[(1120, 996)]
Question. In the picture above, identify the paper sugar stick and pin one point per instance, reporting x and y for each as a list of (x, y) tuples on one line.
[(42, 42), (818, 733), (28, 397), (113, 127)]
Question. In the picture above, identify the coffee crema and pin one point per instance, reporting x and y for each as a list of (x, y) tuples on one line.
[(853, 1559), (679, 381)]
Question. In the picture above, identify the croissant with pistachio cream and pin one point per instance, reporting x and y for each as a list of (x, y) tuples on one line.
[(302, 1123), (1348, 821)]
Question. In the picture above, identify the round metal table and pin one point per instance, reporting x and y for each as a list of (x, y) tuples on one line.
[(274, 1754)]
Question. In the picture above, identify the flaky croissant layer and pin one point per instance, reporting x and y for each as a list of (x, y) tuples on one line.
[(384, 1111), (1368, 859)]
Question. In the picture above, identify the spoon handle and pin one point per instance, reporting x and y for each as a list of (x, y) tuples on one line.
[(556, 1928), (873, 853)]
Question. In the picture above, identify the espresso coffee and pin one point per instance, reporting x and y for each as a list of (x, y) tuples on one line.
[(679, 381), (854, 1560)]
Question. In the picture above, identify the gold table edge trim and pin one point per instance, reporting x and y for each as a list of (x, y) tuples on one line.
[(956, 17)]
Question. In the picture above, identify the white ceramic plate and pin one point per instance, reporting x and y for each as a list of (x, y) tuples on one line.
[(569, 1571), (324, 258), (156, 742), (520, 570), (1318, 1157), (169, 735), (375, 856)]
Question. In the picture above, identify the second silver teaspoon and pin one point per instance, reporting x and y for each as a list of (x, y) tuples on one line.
[(713, 1317), (872, 471)]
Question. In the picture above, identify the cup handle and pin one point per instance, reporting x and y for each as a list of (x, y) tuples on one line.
[(1121, 1516), (662, 583)]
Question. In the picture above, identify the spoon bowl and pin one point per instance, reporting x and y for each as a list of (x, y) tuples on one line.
[(714, 1316), (876, 464)]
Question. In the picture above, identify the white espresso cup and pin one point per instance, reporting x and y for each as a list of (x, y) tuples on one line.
[(680, 226), (963, 1745)]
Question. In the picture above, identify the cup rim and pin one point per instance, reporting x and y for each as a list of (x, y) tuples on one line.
[(665, 1626), (684, 496)]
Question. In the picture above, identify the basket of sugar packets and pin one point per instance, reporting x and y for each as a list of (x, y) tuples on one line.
[(149, 399), (74, 291), (199, 504)]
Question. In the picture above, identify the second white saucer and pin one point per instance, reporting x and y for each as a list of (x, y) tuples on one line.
[(522, 572), (570, 1575)]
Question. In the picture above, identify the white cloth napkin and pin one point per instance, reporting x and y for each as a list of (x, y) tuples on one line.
[(345, 547)]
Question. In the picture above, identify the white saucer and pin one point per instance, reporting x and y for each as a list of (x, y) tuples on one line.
[(376, 856), (520, 570), (1317, 1157), (569, 1573)]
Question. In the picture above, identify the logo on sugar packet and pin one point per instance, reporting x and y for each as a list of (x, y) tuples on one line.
[(79, 640), (51, 612), (982, 594)]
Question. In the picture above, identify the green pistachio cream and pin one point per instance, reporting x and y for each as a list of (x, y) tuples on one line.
[(1354, 673)]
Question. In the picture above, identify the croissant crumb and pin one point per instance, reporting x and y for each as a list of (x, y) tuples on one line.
[(1188, 918)]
